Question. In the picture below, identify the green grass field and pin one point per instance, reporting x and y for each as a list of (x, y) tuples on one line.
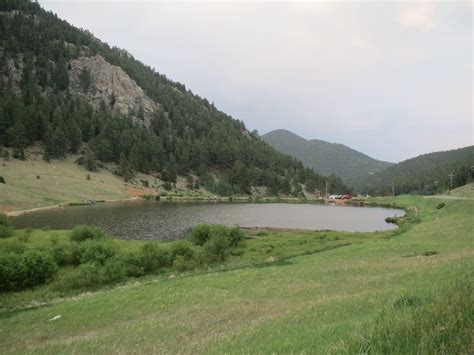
[(59, 181), (367, 293)]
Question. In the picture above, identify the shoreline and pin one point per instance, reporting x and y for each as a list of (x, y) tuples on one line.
[(209, 199)]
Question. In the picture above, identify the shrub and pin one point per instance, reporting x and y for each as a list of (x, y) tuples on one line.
[(440, 205), (200, 234), (12, 271), (183, 249), (19, 271), (25, 236), (4, 221), (152, 257), (2, 180), (217, 247), (13, 246), (84, 276), (180, 263), (235, 236), (134, 265), (393, 220), (65, 254), (81, 233), (93, 251), (113, 271), (40, 267), (6, 231)]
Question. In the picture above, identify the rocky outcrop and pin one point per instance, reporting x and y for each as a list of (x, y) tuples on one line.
[(103, 83)]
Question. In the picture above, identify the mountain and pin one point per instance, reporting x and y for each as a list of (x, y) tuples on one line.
[(324, 157), (425, 174), (66, 90)]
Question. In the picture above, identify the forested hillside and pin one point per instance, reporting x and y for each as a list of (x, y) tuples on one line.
[(327, 158), (425, 174), (65, 89)]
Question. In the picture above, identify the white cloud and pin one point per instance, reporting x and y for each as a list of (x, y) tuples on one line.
[(422, 17)]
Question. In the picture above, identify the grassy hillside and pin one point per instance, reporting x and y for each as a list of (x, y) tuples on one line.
[(466, 191), (35, 184), (396, 288), (327, 158)]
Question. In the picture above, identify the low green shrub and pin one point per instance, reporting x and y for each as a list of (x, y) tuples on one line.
[(94, 251), (113, 271), (6, 231), (20, 271), (12, 272), (4, 221), (65, 254), (134, 265), (40, 267), (153, 258), (13, 246), (440, 205), (200, 234), (82, 233), (85, 276), (181, 263), (236, 236), (217, 247), (181, 248)]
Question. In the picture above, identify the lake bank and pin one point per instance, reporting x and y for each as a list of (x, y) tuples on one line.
[(170, 220), (333, 296)]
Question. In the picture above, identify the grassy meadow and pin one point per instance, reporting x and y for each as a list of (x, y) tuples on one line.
[(35, 183), (402, 291)]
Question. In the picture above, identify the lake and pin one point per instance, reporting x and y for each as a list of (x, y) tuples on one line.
[(170, 221)]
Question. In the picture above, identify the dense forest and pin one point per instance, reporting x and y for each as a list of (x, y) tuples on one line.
[(327, 158), (184, 135), (426, 174)]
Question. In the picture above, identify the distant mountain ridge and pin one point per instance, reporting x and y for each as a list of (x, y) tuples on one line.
[(425, 174), (324, 157)]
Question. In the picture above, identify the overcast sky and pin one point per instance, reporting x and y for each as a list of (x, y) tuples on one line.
[(391, 79)]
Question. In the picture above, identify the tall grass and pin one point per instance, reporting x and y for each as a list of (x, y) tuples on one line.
[(444, 325)]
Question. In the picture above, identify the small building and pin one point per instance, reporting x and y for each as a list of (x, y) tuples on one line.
[(317, 193)]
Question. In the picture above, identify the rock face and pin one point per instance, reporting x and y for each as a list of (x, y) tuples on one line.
[(103, 83)]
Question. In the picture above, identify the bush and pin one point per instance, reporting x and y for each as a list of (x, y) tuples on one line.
[(200, 234), (134, 265), (113, 271), (183, 249), (6, 231), (217, 247), (4, 221), (93, 251), (81, 233), (65, 254), (180, 263), (152, 258), (13, 246), (2, 180), (84, 276), (40, 267), (235, 236), (440, 206), (12, 272), (19, 271)]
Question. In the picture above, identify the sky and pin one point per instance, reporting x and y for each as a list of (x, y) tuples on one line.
[(390, 79)]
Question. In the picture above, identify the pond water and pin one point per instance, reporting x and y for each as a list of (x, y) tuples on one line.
[(170, 221)]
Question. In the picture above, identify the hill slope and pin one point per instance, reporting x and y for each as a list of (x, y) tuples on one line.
[(324, 157), (427, 173), (64, 88)]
